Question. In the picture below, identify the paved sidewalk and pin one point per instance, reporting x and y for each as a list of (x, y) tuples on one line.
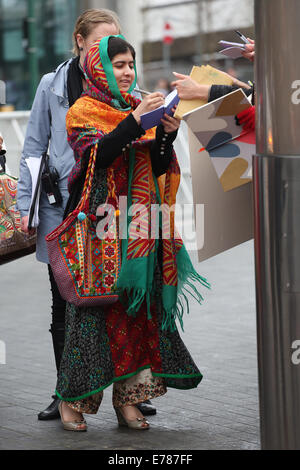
[(222, 413)]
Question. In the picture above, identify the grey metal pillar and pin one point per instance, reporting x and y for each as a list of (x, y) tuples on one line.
[(277, 220)]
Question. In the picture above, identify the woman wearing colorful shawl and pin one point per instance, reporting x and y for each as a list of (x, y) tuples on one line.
[(134, 343)]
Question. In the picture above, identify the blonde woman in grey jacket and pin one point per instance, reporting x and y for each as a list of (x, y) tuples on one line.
[(46, 128), (57, 92)]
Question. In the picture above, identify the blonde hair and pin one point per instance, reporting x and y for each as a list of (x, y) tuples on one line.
[(87, 21)]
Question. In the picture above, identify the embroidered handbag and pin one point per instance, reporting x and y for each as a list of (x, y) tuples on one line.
[(13, 242), (85, 266)]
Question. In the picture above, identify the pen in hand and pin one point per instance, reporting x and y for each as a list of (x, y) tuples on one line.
[(243, 38), (144, 92)]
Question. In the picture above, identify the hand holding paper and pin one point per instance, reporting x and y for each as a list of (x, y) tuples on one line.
[(249, 50), (235, 50), (204, 75), (189, 89), (232, 49)]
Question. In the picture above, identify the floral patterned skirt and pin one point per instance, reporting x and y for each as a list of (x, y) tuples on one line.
[(104, 346)]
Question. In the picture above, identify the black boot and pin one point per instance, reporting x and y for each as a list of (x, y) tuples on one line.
[(52, 411), (146, 408), (58, 337)]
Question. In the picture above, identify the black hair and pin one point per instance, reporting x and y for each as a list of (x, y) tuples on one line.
[(119, 46)]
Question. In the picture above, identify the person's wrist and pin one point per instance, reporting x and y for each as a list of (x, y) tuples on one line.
[(136, 116), (204, 92)]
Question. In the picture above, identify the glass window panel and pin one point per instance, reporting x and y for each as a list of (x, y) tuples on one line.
[(12, 46), (55, 21)]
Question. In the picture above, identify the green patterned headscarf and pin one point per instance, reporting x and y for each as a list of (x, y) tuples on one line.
[(100, 78)]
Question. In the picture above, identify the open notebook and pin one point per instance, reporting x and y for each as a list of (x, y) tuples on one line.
[(204, 75), (153, 118)]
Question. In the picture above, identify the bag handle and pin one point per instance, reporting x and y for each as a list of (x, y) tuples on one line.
[(84, 201)]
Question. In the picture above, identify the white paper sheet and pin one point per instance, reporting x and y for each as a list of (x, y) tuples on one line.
[(34, 165), (232, 49), (7, 170), (233, 52)]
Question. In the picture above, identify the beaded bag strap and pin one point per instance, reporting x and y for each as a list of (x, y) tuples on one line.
[(84, 202)]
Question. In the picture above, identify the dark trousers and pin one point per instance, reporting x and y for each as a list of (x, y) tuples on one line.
[(57, 328)]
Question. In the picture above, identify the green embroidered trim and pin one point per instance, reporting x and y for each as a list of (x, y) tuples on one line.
[(108, 69), (177, 376), (117, 379)]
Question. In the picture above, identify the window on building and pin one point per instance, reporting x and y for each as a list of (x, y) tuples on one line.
[(55, 21)]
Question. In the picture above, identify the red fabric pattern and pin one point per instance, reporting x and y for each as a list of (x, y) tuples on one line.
[(134, 341)]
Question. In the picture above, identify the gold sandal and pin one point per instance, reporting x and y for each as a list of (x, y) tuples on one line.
[(137, 423), (71, 425)]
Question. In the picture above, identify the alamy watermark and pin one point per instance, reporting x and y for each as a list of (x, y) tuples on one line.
[(295, 358), (2, 352), (296, 94), (2, 92), (176, 220)]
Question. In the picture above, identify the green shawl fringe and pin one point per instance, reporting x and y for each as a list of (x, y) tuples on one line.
[(137, 276)]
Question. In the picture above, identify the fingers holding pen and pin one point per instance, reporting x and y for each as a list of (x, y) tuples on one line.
[(154, 100), (249, 52), (149, 103)]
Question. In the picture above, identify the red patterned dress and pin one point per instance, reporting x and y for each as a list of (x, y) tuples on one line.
[(105, 346)]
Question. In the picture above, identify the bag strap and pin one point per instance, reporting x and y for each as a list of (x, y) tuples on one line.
[(84, 201), (46, 162)]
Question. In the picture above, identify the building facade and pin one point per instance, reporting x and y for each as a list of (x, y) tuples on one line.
[(195, 26), (53, 42)]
